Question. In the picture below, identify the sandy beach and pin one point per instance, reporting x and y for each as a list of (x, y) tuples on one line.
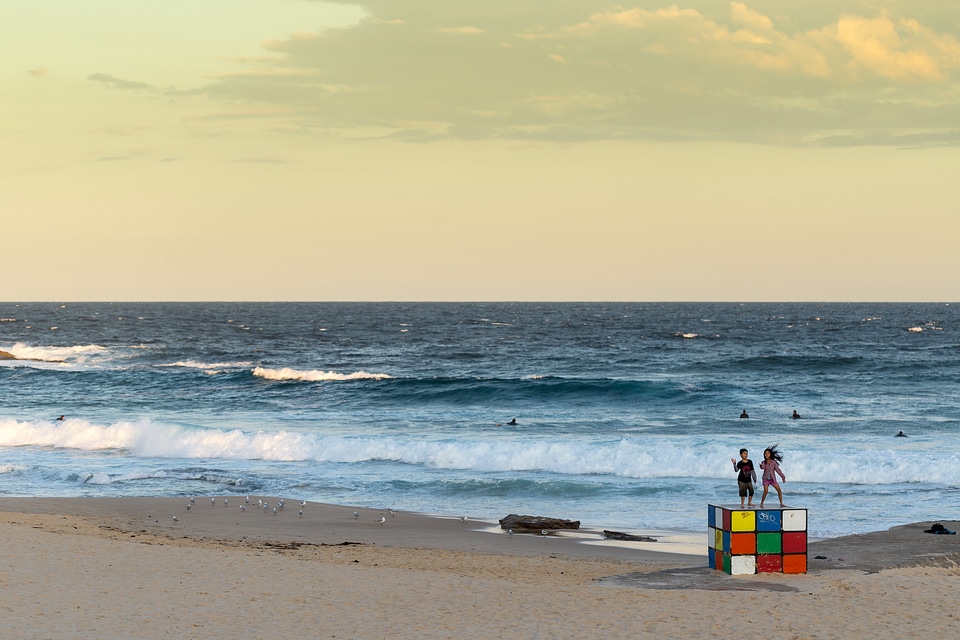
[(124, 568)]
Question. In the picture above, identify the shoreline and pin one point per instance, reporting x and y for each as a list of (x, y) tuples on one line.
[(123, 568)]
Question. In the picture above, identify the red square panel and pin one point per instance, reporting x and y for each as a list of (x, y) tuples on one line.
[(795, 563), (742, 544), (795, 542), (726, 520), (769, 563)]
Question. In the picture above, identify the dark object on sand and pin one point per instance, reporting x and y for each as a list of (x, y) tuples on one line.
[(616, 535), (940, 529), (536, 524)]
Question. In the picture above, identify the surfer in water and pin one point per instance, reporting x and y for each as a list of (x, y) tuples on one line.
[(61, 419), (513, 422), (900, 435), (744, 414), (795, 416)]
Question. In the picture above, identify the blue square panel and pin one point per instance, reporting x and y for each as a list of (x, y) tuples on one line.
[(768, 520)]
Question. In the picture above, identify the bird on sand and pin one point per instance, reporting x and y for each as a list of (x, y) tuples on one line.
[(355, 515), (213, 501), (381, 519), (176, 519), (243, 508)]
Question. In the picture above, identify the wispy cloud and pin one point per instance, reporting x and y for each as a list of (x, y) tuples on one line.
[(704, 70), (118, 83)]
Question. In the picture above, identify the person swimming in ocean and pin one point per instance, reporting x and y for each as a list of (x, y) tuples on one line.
[(795, 416), (900, 435), (61, 419), (744, 414), (513, 422)]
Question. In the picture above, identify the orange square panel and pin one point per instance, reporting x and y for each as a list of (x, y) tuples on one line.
[(743, 543), (795, 563)]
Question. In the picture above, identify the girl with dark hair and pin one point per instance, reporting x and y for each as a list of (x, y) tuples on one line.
[(771, 467)]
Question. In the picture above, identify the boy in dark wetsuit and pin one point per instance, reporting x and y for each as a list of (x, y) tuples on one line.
[(746, 476)]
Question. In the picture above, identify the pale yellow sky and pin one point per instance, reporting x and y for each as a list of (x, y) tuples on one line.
[(513, 150)]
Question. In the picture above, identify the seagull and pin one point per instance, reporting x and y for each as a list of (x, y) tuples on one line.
[(355, 515), (192, 500), (265, 507), (274, 511), (280, 505), (393, 514), (463, 519), (510, 532), (213, 501), (188, 506), (544, 532), (247, 500), (301, 513), (303, 503), (176, 519), (381, 519), (224, 502), (259, 503), (243, 508)]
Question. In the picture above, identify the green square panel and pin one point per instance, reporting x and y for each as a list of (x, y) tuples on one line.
[(768, 542)]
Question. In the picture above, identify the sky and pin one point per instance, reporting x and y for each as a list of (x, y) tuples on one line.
[(496, 150)]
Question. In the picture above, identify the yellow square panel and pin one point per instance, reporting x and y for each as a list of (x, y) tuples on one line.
[(743, 521)]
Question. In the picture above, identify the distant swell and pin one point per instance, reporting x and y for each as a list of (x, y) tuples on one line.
[(575, 391)]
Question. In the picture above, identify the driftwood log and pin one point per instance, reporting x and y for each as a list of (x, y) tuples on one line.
[(527, 524), (616, 535)]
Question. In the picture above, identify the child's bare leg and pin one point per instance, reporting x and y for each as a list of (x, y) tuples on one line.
[(749, 499), (779, 493), (766, 488)]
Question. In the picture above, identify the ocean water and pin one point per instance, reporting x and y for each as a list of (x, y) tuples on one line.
[(627, 413)]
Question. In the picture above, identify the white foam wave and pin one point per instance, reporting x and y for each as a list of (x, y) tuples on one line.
[(638, 458), (211, 368), (314, 375), (76, 353)]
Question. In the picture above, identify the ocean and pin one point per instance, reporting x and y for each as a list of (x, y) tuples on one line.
[(627, 414)]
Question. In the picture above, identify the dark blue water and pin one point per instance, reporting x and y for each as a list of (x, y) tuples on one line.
[(627, 413)]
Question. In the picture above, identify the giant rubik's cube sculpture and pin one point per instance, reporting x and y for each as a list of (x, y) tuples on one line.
[(748, 541)]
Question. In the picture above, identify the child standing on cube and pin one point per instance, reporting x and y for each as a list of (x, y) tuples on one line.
[(746, 476), (771, 467)]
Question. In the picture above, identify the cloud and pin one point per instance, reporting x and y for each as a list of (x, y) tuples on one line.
[(699, 71), (463, 30), (118, 83)]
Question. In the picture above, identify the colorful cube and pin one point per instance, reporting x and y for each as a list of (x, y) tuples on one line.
[(748, 541)]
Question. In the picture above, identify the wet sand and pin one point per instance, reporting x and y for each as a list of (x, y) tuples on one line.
[(123, 568)]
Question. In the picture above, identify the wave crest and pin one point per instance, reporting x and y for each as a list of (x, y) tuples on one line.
[(315, 375)]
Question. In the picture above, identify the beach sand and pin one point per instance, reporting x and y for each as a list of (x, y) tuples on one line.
[(123, 568)]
